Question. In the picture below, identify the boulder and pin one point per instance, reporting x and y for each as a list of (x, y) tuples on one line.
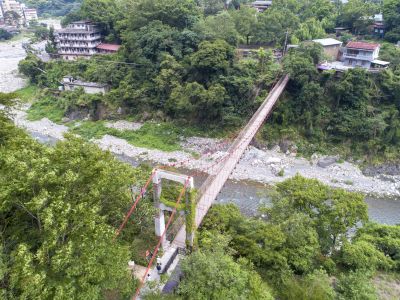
[(285, 145), (327, 161)]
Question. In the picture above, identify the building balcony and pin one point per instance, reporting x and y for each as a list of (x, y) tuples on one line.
[(358, 56), (76, 38), (77, 45), (76, 52)]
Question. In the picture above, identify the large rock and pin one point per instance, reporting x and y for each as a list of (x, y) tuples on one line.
[(287, 147), (392, 169), (327, 161)]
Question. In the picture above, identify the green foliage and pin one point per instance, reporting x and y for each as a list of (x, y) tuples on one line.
[(385, 238), (355, 286), (314, 286), (46, 107), (151, 135), (221, 26), (363, 255), (4, 34), (41, 33), (53, 7), (214, 275), (332, 211), (392, 20), (58, 225), (356, 15)]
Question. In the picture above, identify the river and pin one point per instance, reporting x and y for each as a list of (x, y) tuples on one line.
[(248, 196)]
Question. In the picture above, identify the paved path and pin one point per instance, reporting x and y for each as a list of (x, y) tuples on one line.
[(214, 183)]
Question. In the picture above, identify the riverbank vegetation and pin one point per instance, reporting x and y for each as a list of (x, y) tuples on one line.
[(302, 248), (59, 210)]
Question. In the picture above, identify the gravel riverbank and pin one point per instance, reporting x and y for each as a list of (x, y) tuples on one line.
[(10, 55), (264, 166)]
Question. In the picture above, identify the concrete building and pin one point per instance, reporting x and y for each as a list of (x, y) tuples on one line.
[(30, 14), (331, 47), (361, 54), (379, 26), (261, 5), (12, 5), (78, 39), (1, 13), (104, 48), (71, 84)]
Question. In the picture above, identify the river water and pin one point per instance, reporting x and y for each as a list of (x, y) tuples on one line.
[(249, 196)]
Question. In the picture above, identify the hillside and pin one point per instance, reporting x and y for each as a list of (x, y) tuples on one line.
[(53, 7)]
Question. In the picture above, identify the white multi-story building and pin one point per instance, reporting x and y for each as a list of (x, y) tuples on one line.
[(78, 39), (1, 12), (30, 14), (12, 5)]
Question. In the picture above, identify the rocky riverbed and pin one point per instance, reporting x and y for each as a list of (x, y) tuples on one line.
[(264, 166), (10, 55)]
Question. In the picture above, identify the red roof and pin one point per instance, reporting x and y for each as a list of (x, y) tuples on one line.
[(109, 47), (362, 45)]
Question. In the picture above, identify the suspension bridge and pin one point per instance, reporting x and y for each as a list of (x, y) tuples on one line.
[(208, 192), (213, 185)]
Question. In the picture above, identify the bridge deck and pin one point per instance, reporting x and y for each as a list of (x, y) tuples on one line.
[(214, 183)]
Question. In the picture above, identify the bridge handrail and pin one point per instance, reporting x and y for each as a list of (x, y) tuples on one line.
[(238, 139)]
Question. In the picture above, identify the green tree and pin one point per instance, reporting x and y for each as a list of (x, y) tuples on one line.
[(59, 208), (178, 14), (220, 26), (51, 46), (106, 14), (385, 238), (314, 286), (390, 10), (211, 60), (245, 21), (333, 211), (355, 286), (214, 275), (273, 24), (356, 15), (211, 7)]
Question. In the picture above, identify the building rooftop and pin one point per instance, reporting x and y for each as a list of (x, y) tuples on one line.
[(77, 30), (362, 45), (381, 62), (109, 47), (71, 81), (327, 42), (261, 2), (82, 22)]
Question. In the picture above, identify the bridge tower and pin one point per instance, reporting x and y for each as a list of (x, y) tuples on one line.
[(162, 206)]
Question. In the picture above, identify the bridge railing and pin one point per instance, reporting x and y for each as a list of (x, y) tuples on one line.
[(239, 138)]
